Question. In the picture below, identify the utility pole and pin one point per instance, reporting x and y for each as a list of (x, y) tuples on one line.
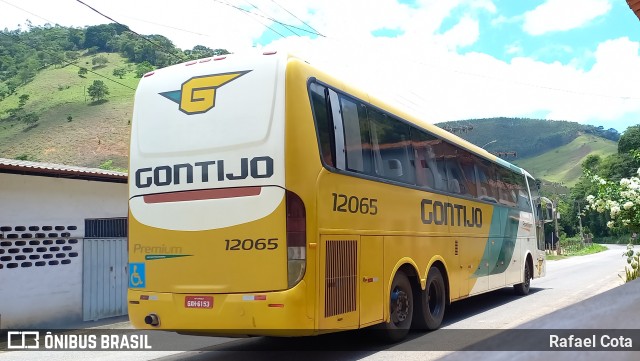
[(581, 234), (459, 129), (506, 154), (555, 221)]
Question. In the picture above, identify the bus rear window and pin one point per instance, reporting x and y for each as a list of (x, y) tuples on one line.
[(319, 105)]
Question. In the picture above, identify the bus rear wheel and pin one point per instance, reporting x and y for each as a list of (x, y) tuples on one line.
[(400, 309), (523, 288), (433, 301)]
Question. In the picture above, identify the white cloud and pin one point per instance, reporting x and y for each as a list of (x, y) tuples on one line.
[(487, 5), (501, 19), (464, 33), (562, 15), (514, 48)]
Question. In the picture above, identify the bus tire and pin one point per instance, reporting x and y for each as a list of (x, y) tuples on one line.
[(433, 301), (400, 309), (523, 288)]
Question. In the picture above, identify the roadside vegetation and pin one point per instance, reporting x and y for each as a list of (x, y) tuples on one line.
[(618, 198), (574, 246)]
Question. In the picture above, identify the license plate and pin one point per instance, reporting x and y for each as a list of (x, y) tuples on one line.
[(198, 302)]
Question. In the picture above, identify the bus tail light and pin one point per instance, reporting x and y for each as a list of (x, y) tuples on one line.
[(296, 238)]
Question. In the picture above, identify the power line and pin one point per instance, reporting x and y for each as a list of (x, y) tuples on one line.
[(248, 13), (29, 12), (164, 26), (70, 63), (286, 26), (267, 17), (164, 50), (300, 20), (509, 81)]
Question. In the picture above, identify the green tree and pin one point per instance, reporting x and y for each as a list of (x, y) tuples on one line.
[(4, 91), (119, 72), (618, 166), (22, 100), (98, 90), (72, 55), (76, 37), (99, 35), (26, 74), (200, 51), (82, 72), (592, 161), (99, 60), (143, 68), (629, 140), (30, 118)]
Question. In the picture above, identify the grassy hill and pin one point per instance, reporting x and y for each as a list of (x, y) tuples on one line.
[(526, 137), (562, 165), (97, 132)]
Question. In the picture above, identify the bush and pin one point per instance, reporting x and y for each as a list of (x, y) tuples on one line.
[(633, 260)]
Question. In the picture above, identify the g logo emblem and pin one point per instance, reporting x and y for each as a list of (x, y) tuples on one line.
[(198, 94)]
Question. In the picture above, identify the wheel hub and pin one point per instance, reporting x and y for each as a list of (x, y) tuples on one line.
[(401, 303)]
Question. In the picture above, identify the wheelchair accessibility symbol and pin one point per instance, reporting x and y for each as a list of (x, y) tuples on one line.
[(136, 275)]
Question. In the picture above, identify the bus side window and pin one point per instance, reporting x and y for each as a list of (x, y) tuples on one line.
[(486, 181), (524, 202), (506, 188), (356, 135), (425, 158), (466, 162), (391, 147), (443, 151), (456, 179)]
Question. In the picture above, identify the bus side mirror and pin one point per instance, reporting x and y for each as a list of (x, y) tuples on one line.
[(547, 210), (550, 212)]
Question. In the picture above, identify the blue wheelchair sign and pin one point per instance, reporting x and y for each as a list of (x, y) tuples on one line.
[(136, 275)]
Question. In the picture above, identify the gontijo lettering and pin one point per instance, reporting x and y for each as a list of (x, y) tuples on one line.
[(164, 175), (445, 213)]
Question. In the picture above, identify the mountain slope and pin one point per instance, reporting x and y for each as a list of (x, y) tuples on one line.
[(526, 137), (563, 164), (97, 132)]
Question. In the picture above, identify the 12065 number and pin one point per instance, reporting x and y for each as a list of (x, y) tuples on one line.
[(251, 244), (353, 204)]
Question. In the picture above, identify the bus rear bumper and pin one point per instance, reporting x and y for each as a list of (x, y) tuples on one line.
[(282, 313)]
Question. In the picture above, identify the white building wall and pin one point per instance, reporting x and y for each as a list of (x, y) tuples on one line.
[(48, 295)]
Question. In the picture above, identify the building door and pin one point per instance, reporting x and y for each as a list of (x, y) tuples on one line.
[(105, 273)]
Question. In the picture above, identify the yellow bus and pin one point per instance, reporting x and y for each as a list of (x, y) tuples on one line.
[(269, 198)]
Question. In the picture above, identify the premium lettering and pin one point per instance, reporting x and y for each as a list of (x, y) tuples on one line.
[(445, 213), (207, 171)]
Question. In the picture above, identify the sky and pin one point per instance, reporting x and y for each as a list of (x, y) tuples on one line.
[(441, 60)]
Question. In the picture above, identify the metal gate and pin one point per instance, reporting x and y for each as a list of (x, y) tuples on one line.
[(104, 278)]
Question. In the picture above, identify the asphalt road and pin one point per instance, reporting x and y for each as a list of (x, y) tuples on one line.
[(568, 281)]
